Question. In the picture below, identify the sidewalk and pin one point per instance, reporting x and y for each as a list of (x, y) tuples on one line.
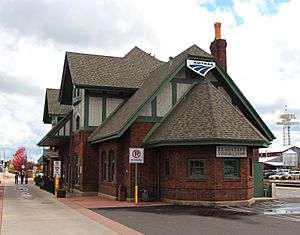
[(28, 210)]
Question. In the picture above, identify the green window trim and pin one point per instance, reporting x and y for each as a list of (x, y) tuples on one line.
[(166, 168), (195, 168), (231, 168), (111, 156), (103, 166), (77, 168)]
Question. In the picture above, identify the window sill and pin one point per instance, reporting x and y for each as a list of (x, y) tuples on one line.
[(232, 179), (195, 178)]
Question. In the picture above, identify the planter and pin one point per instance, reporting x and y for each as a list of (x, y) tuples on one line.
[(61, 193)]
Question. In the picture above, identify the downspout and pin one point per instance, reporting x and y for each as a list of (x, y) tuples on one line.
[(158, 175)]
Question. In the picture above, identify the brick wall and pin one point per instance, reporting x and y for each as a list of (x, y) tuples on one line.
[(213, 187), (88, 162), (125, 172)]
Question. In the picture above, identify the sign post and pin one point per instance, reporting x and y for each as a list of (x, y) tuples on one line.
[(136, 155), (56, 174)]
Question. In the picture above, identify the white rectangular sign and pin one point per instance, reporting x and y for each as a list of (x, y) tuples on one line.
[(56, 169), (136, 155), (231, 151), (50, 153)]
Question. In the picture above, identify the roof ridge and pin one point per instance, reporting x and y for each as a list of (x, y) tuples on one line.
[(141, 51), (94, 55)]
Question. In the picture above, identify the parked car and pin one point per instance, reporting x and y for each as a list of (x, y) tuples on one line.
[(268, 173), (295, 174), (286, 175), (277, 176)]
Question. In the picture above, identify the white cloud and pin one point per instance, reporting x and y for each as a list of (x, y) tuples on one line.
[(263, 50)]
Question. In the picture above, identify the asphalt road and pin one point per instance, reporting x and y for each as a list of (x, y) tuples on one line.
[(281, 216)]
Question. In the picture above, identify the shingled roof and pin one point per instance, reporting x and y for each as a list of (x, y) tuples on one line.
[(52, 106), (117, 124), (129, 71), (205, 116)]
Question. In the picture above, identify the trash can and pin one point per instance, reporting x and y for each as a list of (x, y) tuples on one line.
[(122, 193), (269, 190), (145, 196)]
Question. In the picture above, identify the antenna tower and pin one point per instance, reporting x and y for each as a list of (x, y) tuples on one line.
[(286, 123)]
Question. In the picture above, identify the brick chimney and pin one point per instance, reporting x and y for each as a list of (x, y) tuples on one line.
[(218, 47)]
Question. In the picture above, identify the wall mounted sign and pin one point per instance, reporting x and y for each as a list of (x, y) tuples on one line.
[(231, 151), (56, 169), (136, 155), (200, 67), (50, 153)]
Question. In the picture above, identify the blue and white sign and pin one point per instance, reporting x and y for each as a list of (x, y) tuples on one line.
[(200, 67)]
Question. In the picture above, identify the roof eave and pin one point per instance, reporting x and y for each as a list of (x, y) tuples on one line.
[(235, 142), (54, 129), (104, 138)]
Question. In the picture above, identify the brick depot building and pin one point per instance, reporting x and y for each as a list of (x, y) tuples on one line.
[(198, 131)]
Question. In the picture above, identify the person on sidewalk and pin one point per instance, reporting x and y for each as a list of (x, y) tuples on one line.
[(26, 178), (16, 177), (22, 176)]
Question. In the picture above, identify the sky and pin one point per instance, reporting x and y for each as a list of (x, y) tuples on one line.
[(263, 51)]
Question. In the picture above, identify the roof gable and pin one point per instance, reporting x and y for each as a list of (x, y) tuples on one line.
[(117, 124), (98, 71), (52, 106), (204, 115)]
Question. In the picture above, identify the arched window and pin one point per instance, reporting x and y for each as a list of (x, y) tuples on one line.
[(103, 166), (111, 156), (77, 123)]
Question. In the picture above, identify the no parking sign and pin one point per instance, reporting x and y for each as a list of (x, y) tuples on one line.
[(136, 155), (56, 169)]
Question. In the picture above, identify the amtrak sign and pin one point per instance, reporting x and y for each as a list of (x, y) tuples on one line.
[(200, 67)]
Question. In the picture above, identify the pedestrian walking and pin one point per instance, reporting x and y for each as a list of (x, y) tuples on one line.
[(16, 177), (26, 178), (22, 176)]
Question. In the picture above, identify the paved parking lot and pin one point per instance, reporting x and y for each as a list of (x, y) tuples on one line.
[(264, 217)]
